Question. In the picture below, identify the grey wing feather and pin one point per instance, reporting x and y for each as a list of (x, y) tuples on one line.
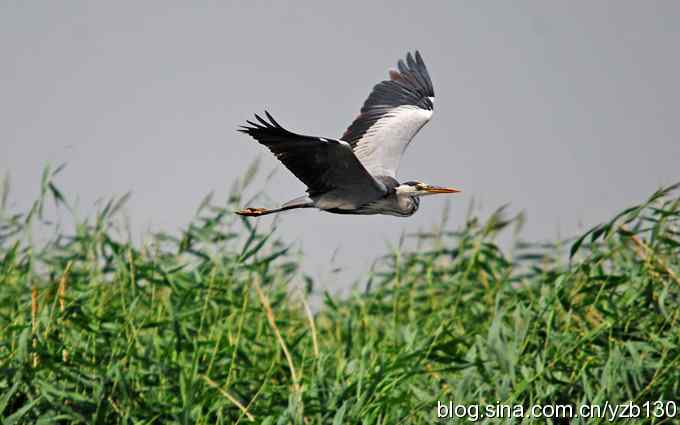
[(392, 115), (324, 165)]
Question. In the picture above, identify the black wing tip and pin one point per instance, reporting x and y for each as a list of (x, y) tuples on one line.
[(414, 70), (261, 124), (415, 59)]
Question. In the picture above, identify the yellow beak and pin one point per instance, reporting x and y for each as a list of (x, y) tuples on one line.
[(437, 189)]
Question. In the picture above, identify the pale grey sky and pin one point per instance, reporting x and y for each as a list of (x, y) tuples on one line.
[(567, 110)]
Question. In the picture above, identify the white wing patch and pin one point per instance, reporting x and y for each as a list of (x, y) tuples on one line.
[(394, 112), (382, 146)]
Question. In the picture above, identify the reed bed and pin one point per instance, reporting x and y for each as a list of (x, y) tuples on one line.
[(201, 327)]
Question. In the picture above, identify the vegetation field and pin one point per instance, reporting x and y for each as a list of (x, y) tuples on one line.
[(201, 327)]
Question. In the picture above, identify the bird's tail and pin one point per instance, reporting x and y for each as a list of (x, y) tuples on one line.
[(302, 202)]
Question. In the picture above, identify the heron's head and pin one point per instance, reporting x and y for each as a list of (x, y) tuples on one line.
[(415, 188)]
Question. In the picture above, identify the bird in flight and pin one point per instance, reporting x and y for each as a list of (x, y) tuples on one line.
[(356, 174)]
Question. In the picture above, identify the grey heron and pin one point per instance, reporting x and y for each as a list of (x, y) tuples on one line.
[(356, 174)]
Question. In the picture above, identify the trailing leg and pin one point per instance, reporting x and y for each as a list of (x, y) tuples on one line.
[(290, 205)]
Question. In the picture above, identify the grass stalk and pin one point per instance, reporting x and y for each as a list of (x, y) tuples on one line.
[(63, 282), (272, 323), (229, 397), (312, 325)]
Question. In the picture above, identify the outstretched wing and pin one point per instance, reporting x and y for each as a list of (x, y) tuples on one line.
[(394, 112), (324, 165)]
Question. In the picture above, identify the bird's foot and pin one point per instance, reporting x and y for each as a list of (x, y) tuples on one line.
[(251, 212)]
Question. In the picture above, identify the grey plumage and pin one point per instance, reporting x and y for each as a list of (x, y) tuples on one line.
[(328, 167), (357, 174)]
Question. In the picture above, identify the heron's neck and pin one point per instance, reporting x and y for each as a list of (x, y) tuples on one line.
[(408, 203)]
